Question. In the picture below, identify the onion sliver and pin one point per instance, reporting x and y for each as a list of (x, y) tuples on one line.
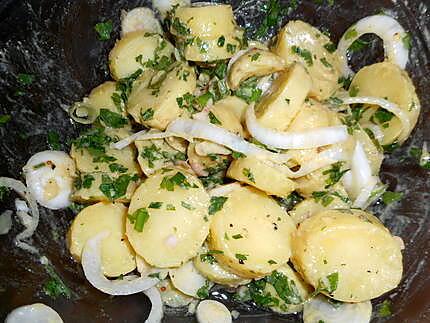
[(221, 136), (32, 221), (156, 314), (34, 313), (363, 199), (143, 135), (5, 222), (387, 28), (92, 265), (294, 140), (387, 105)]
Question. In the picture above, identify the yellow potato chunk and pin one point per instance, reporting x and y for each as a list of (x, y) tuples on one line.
[(347, 255), (177, 224), (118, 258), (207, 265), (235, 105), (134, 47), (226, 118), (288, 92), (152, 101), (387, 80), (261, 174), (300, 42), (252, 232), (255, 62)]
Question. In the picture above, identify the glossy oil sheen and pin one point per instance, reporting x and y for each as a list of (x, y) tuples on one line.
[(55, 41)]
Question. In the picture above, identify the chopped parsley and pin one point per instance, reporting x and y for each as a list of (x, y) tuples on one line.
[(4, 191), (114, 188), (391, 197), (241, 258), (155, 205), (274, 11), (323, 197), (351, 33), (53, 139), (94, 140), (303, 53), (421, 155), (151, 154), (213, 119), (325, 62), (255, 57), (4, 118), (181, 28), (139, 218), (328, 284), (179, 179), (248, 90), (285, 288), (271, 262), (231, 48), (237, 155), (87, 181), (407, 41), (148, 114), (104, 29), (330, 47), (112, 119), (389, 148), (170, 207), (221, 41), (335, 173), (25, 79), (290, 201), (203, 46), (385, 309), (203, 292), (353, 91), (237, 236), (124, 86), (55, 286), (216, 204), (208, 256), (382, 116), (247, 172), (117, 168), (187, 206), (358, 45)]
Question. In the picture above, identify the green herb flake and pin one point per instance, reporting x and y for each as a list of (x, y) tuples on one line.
[(237, 155), (290, 201), (271, 262), (231, 48), (382, 116), (25, 79), (248, 90), (112, 119), (323, 197), (330, 47), (4, 192), (335, 173), (203, 292), (285, 288), (391, 197), (389, 148), (358, 45), (255, 57), (155, 205), (385, 309), (55, 287), (87, 181), (139, 218), (209, 256), (241, 258), (237, 236), (117, 168), (5, 118), (353, 91), (351, 33), (213, 119), (325, 62), (114, 188), (148, 114), (179, 179), (303, 53), (216, 204), (170, 207), (180, 27), (187, 206), (104, 30), (221, 41), (247, 172), (407, 41), (274, 11), (53, 139), (328, 284)]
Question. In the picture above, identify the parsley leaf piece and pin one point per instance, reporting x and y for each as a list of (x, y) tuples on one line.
[(255, 57), (391, 197), (53, 139), (188, 206), (323, 197), (115, 188), (148, 114), (328, 284), (170, 207), (237, 236), (247, 172), (87, 181), (25, 79), (104, 29), (351, 33), (385, 309), (117, 168), (330, 47), (55, 286), (208, 256), (274, 11), (241, 258), (155, 205), (221, 41), (285, 288), (213, 119), (112, 119), (407, 41), (216, 204), (290, 201), (181, 28), (237, 155), (303, 53), (248, 90), (179, 179), (335, 173), (203, 292), (325, 62), (139, 218), (5, 118)]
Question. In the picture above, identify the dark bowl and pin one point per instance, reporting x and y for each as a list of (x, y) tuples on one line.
[(55, 41)]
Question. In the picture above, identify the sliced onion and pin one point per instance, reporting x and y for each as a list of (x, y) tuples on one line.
[(156, 314), (221, 136), (387, 28), (294, 140), (363, 199), (5, 222), (92, 265), (32, 221), (34, 313), (235, 57), (387, 105), (82, 113), (224, 189), (143, 135)]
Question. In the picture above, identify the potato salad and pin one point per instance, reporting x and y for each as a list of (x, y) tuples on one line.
[(212, 161)]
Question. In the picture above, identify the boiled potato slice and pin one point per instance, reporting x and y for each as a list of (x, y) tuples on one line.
[(209, 311), (347, 254), (118, 257), (171, 296), (235, 105), (156, 154), (311, 115), (261, 174), (207, 21), (123, 57), (255, 62), (286, 96), (207, 265), (101, 97), (146, 269), (175, 231), (300, 42), (188, 280), (154, 103), (227, 119), (387, 80), (209, 50), (93, 193), (252, 232)]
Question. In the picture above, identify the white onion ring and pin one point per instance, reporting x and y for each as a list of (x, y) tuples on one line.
[(5, 222), (92, 265), (223, 190), (22, 191), (387, 105), (143, 135), (34, 313), (294, 140), (387, 28), (156, 314), (363, 199), (235, 57)]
